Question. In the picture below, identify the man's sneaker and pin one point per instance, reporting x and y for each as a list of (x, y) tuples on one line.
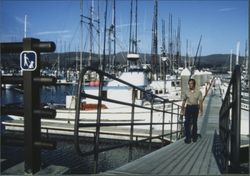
[(187, 141)]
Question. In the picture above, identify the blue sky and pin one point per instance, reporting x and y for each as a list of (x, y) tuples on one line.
[(221, 23)]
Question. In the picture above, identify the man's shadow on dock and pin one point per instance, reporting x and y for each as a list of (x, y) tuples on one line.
[(205, 117)]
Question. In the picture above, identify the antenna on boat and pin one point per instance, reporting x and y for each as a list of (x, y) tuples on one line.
[(25, 26), (199, 60), (91, 33), (186, 58), (246, 58), (76, 58), (237, 53), (231, 59)]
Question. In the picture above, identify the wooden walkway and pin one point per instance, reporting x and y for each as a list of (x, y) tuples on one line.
[(180, 158)]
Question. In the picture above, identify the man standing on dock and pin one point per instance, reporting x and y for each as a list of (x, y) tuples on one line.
[(194, 104)]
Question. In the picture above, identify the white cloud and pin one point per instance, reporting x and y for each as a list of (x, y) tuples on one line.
[(226, 9), (52, 32)]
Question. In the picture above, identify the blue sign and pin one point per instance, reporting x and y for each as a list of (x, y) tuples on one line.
[(28, 60)]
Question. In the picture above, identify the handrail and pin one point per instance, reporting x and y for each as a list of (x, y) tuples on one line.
[(81, 93), (229, 123)]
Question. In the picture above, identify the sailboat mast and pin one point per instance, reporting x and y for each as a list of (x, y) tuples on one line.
[(170, 43), (104, 38), (132, 55), (130, 27), (114, 33), (195, 58), (163, 37), (163, 55), (154, 40), (81, 32), (109, 47), (178, 44), (163, 51), (99, 36), (91, 33), (136, 11)]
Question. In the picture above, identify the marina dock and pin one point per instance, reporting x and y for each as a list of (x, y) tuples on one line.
[(180, 158), (217, 150)]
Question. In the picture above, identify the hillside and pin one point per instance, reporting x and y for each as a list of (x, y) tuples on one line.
[(68, 60)]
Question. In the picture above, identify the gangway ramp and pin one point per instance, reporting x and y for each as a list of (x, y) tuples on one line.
[(180, 158)]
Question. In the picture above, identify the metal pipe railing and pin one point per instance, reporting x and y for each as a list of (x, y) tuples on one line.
[(82, 94), (229, 123)]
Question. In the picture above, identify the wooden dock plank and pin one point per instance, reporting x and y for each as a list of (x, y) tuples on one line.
[(155, 160), (174, 159), (199, 162), (204, 169), (160, 159), (196, 157), (146, 163), (185, 162)]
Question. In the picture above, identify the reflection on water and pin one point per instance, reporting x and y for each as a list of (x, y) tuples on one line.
[(48, 94)]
